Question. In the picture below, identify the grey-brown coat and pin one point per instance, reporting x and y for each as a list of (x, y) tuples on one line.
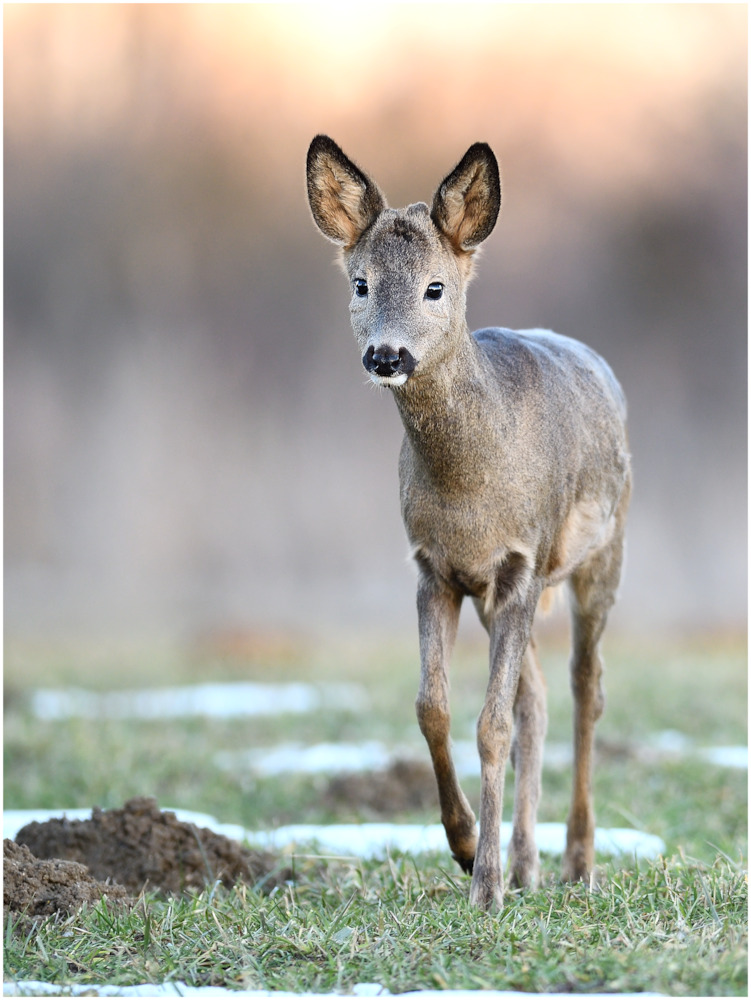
[(514, 476)]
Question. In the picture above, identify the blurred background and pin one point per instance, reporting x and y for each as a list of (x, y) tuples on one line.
[(190, 443)]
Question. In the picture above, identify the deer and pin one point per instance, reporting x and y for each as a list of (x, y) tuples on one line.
[(514, 477)]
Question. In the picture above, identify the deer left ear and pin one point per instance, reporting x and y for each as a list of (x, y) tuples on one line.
[(467, 202), (344, 201)]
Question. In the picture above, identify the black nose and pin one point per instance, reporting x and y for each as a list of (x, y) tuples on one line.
[(385, 361)]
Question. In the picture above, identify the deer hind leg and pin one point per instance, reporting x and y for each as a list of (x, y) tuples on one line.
[(438, 615), (530, 726), (593, 587)]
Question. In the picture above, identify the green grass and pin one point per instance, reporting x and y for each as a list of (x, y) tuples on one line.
[(676, 926)]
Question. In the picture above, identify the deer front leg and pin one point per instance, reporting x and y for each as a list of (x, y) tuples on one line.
[(509, 635), (530, 725), (438, 617)]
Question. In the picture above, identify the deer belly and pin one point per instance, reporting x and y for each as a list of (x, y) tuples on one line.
[(587, 528)]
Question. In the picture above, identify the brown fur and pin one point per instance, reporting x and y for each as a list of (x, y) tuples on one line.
[(514, 477)]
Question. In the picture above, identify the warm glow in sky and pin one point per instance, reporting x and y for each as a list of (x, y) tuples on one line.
[(345, 54), (338, 41), (597, 83)]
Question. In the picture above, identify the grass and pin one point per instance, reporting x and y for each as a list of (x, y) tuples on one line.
[(676, 926), (672, 927)]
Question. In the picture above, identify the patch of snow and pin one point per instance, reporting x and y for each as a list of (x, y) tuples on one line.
[(671, 744), (365, 840), (377, 839), (15, 819), (319, 758), (216, 700), (467, 760), (337, 758), (332, 758), (369, 840), (736, 757), (620, 840), (670, 741), (28, 988)]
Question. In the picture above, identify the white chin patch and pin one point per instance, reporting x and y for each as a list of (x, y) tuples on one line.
[(391, 380)]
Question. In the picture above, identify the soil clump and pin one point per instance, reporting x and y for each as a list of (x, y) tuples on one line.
[(141, 847), (405, 786), (34, 888)]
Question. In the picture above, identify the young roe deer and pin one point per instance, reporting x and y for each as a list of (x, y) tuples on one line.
[(514, 475)]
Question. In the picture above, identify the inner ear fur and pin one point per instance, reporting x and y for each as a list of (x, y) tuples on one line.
[(344, 201), (467, 202)]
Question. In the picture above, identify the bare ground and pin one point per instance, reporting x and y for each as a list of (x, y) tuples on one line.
[(58, 865), (34, 888), (405, 786)]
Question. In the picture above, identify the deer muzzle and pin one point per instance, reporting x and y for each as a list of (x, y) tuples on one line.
[(388, 365)]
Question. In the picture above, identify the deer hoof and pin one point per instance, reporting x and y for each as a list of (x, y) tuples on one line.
[(466, 864), (525, 874), (486, 892), (577, 864)]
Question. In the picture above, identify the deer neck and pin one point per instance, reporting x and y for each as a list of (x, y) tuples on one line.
[(447, 413)]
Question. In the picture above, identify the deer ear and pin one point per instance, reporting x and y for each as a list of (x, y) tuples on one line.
[(467, 202), (343, 200)]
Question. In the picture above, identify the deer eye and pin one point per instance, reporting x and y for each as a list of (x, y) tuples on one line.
[(435, 290), (361, 287)]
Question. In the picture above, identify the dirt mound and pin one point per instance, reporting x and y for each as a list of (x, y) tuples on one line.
[(37, 888), (404, 786), (141, 847)]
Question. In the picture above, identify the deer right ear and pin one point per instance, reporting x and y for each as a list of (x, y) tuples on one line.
[(343, 200), (467, 202)]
